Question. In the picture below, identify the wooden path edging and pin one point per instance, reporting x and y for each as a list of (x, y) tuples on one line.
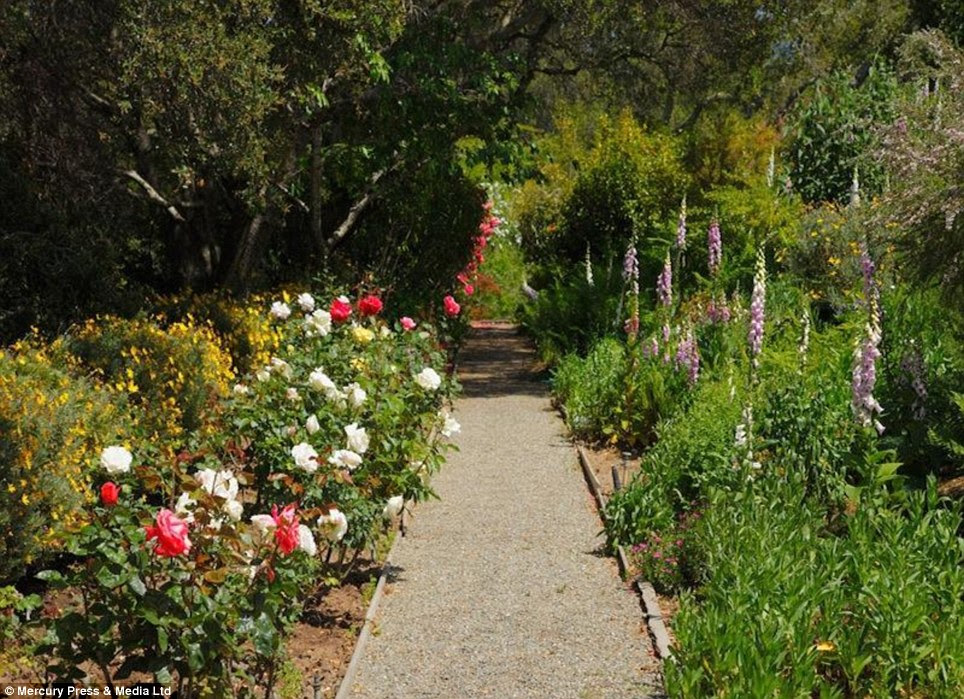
[(650, 603)]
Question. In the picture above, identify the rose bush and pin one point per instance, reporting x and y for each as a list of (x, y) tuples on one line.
[(192, 566)]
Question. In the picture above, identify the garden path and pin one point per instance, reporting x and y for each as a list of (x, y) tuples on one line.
[(499, 587)]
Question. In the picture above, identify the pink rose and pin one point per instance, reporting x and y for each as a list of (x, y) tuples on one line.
[(469, 289), (340, 310), (108, 493), (286, 528), (452, 307), (369, 306), (171, 534), (407, 323)]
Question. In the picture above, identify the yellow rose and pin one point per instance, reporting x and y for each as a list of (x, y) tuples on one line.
[(362, 335)]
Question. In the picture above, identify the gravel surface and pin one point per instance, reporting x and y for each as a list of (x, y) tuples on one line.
[(500, 588)]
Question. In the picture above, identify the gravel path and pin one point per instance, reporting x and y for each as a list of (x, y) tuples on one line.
[(500, 589)]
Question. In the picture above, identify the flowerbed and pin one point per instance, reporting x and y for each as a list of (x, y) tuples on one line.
[(192, 564), (787, 488)]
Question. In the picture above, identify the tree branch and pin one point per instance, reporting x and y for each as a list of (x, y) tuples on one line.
[(154, 195)]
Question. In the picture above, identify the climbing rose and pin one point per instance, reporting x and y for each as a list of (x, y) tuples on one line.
[(116, 460), (370, 305), (286, 528), (305, 456), (407, 323), (340, 309), (452, 307), (428, 379), (280, 310), (307, 302), (171, 534), (108, 493), (334, 525)]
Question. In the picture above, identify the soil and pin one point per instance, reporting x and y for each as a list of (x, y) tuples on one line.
[(603, 459)]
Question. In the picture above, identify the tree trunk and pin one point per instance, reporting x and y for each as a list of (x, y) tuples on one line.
[(239, 273)]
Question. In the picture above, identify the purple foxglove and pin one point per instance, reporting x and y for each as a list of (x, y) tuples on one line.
[(664, 283), (714, 247)]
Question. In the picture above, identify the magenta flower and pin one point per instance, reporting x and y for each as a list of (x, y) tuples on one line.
[(681, 226), (757, 306), (715, 247), (664, 283)]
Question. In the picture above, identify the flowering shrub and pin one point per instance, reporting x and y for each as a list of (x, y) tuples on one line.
[(175, 373), (191, 566), (52, 428), (245, 331), (666, 559)]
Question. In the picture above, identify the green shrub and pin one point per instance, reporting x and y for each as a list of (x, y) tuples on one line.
[(797, 605), (592, 387)]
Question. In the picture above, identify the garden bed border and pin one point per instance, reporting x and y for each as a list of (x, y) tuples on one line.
[(647, 595)]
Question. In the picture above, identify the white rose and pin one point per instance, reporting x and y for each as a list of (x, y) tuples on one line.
[(450, 426), (312, 425), (306, 540), (345, 458), (183, 507), (357, 438), (263, 523), (292, 394), (280, 365), (318, 323), (240, 389), (307, 302), (428, 379), (385, 331), (334, 525), (393, 507), (320, 381), (280, 310), (116, 460), (356, 395), (222, 484), (305, 456), (234, 509), (263, 374)]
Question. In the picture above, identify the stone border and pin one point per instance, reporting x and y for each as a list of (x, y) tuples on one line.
[(344, 689), (650, 603)]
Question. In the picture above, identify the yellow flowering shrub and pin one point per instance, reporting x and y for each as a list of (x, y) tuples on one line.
[(245, 330), (176, 373), (53, 426)]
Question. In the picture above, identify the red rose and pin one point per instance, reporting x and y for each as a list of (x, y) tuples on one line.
[(108, 493), (286, 528), (452, 306), (340, 309), (469, 289), (171, 534), (369, 306)]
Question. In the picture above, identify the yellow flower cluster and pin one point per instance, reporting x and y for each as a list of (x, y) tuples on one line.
[(176, 372), (52, 428)]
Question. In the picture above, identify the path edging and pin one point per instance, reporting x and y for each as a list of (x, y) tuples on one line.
[(344, 689), (654, 614)]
